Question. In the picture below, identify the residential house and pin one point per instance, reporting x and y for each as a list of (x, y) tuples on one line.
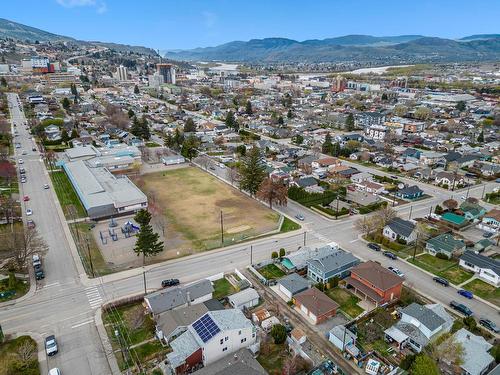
[(432, 158), (306, 182), (370, 187), (485, 268), (449, 179), (179, 296), (52, 133), (419, 325), (361, 198), (472, 211), (491, 221), (246, 299), (298, 260), (292, 284), (457, 221), (316, 305), (362, 176), (336, 264), (445, 244), (375, 283), (475, 360), (342, 337), (326, 162), (210, 338), (305, 163), (400, 229), (410, 192), (242, 362)]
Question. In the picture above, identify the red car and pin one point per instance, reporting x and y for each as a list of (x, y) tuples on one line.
[(26, 198), (30, 224)]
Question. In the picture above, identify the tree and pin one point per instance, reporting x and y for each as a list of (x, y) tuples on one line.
[(480, 138), (230, 120), (461, 106), (148, 242), (438, 210), (367, 225), (287, 100), (281, 121), (3, 82), (400, 110), (349, 122), (241, 150), (190, 147), (74, 133), (274, 255), (298, 139), (384, 97), (136, 89), (273, 192), (178, 139), (252, 171), (450, 204), (25, 243), (189, 126), (130, 113), (278, 333), (73, 89), (327, 146), (352, 145), (385, 215), (66, 103), (289, 114), (248, 108), (424, 365), (282, 252), (423, 113)]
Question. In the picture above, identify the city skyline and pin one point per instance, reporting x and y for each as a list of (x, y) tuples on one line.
[(196, 23)]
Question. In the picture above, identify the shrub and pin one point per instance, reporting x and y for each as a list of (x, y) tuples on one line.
[(438, 210), (290, 303), (282, 253), (407, 361), (320, 286), (274, 255), (278, 333), (334, 282), (442, 256)]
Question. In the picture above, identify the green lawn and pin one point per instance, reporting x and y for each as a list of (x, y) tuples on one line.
[(271, 271), (289, 225), (484, 290), (448, 269), (20, 288), (152, 144), (98, 263), (222, 288), (347, 301), (272, 357), (70, 203), (12, 363), (145, 352)]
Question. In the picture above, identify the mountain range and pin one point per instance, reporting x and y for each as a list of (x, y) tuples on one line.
[(396, 49), (18, 31)]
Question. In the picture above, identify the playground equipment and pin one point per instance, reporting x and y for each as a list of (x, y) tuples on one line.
[(112, 234), (129, 229), (113, 223)]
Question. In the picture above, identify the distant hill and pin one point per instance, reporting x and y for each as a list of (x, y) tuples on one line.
[(396, 49), (14, 30)]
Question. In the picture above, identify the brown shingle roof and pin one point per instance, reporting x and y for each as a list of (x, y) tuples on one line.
[(316, 301), (377, 275), (494, 213)]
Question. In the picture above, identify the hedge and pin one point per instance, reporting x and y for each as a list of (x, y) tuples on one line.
[(307, 199), (372, 207)]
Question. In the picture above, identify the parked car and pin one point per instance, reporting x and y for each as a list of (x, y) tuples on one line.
[(169, 282), (46, 186), (20, 161), (26, 198), (489, 325), (33, 149), (390, 255), (51, 345), (24, 152), (487, 234), (30, 224), (55, 371), (374, 246), (461, 308), (441, 280), (465, 293), (299, 217), (29, 212), (396, 271), (37, 261), (39, 274)]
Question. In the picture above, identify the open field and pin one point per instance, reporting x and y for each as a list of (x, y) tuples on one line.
[(70, 203), (192, 202)]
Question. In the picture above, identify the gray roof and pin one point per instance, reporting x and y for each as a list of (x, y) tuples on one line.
[(401, 227), (243, 297), (239, 363), (299, 258), (481, 261), (307, 181), (476, 357), (170, 320), (294, 283), (182, 347), (411, 331), (170, 298), (424, 315), (409, 190), (334, 261)]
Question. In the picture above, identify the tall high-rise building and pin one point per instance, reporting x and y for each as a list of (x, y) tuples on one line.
[(167, 71), (121, 73)]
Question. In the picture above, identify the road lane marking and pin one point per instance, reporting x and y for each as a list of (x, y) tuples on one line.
[(356, 240), (51, 284), (82, 323)]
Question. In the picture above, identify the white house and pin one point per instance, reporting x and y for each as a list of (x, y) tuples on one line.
[(487, 269), (398, 228), (491, 221), (476, 360), (247, 298), (53, 133)]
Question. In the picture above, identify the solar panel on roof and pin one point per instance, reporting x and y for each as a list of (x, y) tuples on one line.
[(206, 328)]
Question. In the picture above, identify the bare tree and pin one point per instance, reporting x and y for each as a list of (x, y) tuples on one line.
[(26, 351), (25, 243), (385, 215), (117, 117), (234, 176), (273, 192), (450, 204), (367, 225), (450, 352)]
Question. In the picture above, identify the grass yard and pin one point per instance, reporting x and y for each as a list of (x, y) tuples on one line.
[(222, 288), (67, 196), (19, 356), (347, 301), (289, 225), (271, 271), (448, 269), (484, 290), (272, 357), (98, 263), (20, 288), (152, 144), (192, 202)]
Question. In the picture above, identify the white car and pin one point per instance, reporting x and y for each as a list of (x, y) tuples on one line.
[(29, 212), (21, 161), (46, 186), (55, 371), (396, 271)]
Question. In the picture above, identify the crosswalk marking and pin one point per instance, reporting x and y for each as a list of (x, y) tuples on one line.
[(320, 237), (93, 296)]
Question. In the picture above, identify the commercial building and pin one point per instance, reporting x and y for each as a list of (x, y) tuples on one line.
[(121, 73), (167, 71)]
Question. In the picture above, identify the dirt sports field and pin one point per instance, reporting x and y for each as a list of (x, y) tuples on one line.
[(191, 202)]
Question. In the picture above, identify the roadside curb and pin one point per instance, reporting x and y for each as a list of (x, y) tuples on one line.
[(106, 344)]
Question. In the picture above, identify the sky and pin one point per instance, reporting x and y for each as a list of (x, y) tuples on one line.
[(185, 24)]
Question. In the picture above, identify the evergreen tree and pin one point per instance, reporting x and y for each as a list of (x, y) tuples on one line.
[(66, 103), (287, 101), (327, 146), (349, 122), (178, 139), (384, 97), (298, 139), (136, 89), (3, 82), (289, 114), (336, 149), (130, 113), (280, 120), (252, 171), (148, 242), (230, 120), (64, 136), (480, 138), (168, 140), (189, 126), (190, 147), (146, 133), (461, 106), (248, 108), (74, 91), (74, 133), (136, 127)]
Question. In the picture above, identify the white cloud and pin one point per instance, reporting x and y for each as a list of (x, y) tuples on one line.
[(209, 19), (100, 6)]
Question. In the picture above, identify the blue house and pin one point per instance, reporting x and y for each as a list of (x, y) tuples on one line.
[(410, 192), (337, 264)]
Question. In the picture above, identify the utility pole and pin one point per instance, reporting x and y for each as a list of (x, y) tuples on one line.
[(90, 256), (305, 238), (467, 195), (416, 244), (222, 228), (409, 216), (484, 190), (337, 212), (251, 254), (430, 211)]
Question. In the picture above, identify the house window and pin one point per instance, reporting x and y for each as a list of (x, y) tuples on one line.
[(221, 341), (253, 335), (224, 349), (243, 340), (226, 338), (239, 332)]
